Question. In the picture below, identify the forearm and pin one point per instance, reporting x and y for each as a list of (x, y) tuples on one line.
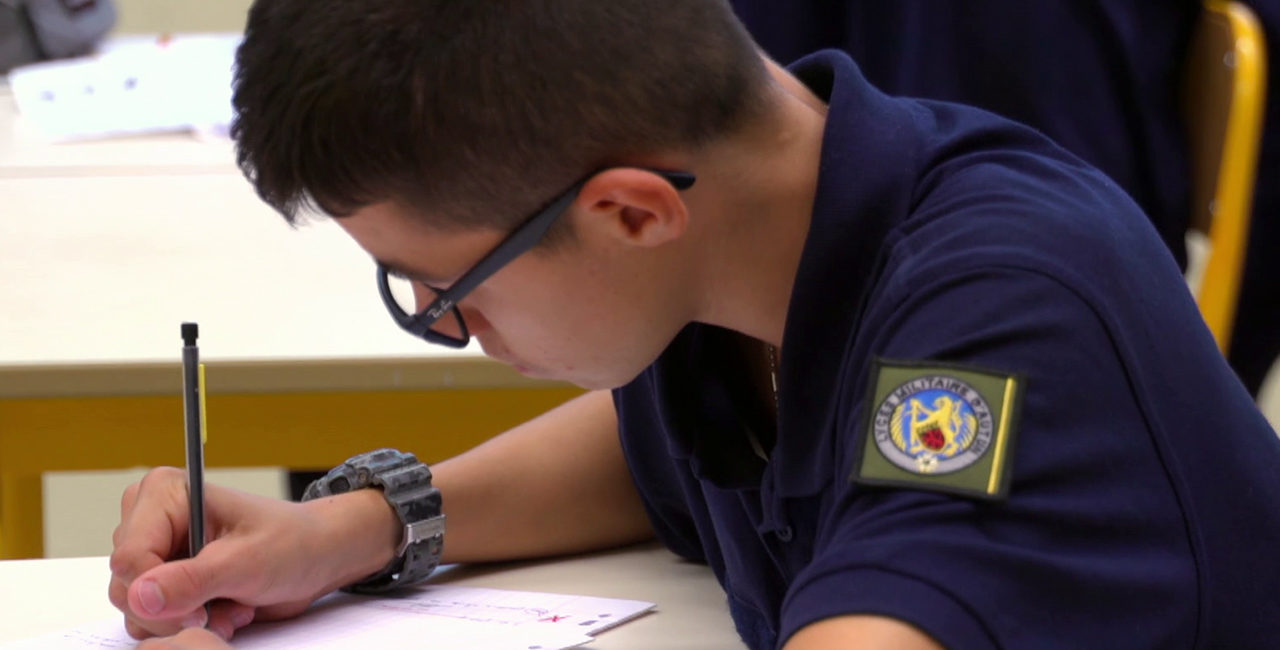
[(556, 484), (861, 632)]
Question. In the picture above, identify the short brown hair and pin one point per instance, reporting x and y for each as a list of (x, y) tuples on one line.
[(459, 107)]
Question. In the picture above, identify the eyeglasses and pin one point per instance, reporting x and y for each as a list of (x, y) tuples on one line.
[(423, 323)]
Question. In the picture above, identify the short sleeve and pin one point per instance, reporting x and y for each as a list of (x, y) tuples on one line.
[(665, 488), (1089, 549)]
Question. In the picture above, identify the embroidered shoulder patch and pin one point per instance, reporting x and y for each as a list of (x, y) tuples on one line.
[(940, 427)]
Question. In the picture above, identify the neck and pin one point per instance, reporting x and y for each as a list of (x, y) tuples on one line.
[(760, 185)]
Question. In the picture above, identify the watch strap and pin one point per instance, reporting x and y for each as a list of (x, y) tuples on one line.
[(406, 485)]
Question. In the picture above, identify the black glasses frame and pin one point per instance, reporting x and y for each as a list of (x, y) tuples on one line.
[(523, 238)]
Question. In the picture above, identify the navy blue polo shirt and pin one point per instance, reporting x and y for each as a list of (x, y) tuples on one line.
[(1099, 77), (1140, 505)]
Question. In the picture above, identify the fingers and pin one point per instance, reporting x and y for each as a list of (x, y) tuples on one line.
[(153, 526), (227, 616), (118, 593), (226, 568), (191, 639), (224, 618), (142, 629), (259, 564), (127, 500)]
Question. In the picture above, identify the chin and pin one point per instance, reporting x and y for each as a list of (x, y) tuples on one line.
[(605, 381), (595, 378), (595, 384), (531, 372), (588, 382)]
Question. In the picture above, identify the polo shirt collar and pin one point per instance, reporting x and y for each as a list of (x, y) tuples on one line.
[(866, 177)]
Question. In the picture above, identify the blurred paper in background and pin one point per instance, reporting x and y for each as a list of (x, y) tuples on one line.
[(133, 85)]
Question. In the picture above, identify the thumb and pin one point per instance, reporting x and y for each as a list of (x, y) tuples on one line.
[(178, 588)]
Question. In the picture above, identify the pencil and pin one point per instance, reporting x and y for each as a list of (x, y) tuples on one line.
[(193, 407)]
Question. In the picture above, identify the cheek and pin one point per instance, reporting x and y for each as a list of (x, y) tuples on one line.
[(567, 316), (546, 329), (520, 320), (528, 299)]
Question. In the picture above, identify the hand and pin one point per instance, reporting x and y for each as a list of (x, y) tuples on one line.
[(266, 559), (189, 639)]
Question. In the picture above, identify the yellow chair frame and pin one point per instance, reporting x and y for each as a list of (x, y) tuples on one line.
[(1225, 98)]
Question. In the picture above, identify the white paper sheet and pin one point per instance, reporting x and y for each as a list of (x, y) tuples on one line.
[(444, 616)]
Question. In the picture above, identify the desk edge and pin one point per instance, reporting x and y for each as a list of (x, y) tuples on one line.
[(260, 376)]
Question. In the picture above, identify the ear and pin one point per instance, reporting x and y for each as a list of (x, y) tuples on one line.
[(634, 206)]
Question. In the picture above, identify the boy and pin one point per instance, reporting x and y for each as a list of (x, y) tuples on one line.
[(904, 374)]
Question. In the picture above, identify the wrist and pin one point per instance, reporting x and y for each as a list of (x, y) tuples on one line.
[(406, 487), (367, 528)]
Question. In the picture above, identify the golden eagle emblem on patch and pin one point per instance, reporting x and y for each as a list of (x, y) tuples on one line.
[(933, 424)]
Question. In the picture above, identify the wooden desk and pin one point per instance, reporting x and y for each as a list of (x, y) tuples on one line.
[(99, 263), (42, 596)]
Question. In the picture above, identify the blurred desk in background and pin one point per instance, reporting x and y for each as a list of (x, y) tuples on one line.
[(106, 247), (25, 153)]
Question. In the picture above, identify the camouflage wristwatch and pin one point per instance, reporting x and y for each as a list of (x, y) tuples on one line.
[(406, 484)]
